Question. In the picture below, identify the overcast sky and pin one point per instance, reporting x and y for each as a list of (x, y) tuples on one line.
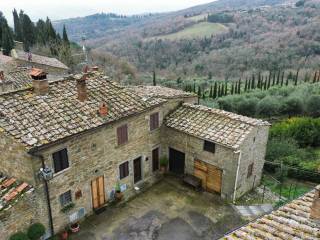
[(59, 9)]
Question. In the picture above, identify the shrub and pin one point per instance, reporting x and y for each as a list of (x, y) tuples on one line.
[(313, 106), (277, 148), (19, 236), (36, 231), (247, 107), (292, 106), (269, 106)]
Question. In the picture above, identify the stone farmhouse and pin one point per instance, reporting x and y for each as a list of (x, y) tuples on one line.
[(298, 220), (65, 146)]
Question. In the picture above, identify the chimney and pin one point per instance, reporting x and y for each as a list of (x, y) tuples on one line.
[(40, 82), (315, 208), (103, 110), (82, 88)]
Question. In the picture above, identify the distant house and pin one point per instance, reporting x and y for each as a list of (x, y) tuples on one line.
[(86, 134), (299, 220), (51, 65)]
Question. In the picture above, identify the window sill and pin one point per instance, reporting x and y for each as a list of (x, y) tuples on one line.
[(61, 172)]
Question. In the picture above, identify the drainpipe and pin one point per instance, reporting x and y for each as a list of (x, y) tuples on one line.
[(46, 189), (237, 176)]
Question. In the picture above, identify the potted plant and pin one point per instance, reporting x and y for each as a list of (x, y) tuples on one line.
[(119, 194), (36, 231), (163, 164), (75, 227), (64, 235)]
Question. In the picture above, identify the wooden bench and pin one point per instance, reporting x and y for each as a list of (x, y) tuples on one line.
[(192, 181)]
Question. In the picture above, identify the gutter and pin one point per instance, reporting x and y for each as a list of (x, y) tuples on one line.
[(237, 175), (46, 189)]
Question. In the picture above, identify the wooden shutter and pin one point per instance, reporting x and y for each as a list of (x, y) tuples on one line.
[(122, 134), (124, 170), (154, 121)]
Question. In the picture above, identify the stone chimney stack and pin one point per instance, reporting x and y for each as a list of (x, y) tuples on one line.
[(315, 208), (82, 88), (40, 82)]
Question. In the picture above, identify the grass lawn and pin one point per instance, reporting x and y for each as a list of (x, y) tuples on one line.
[(199, 30), (290, 189)]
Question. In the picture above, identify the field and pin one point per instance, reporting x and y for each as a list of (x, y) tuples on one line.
[(199, 30)]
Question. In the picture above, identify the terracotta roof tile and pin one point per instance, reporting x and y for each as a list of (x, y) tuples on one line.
[(214, 125), (5, 59), (160, 91), (18, 77), (37, 120), (53, 62), (292, 221)]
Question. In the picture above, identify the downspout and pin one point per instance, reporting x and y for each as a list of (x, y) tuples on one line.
[(46, 189), (237, 175)]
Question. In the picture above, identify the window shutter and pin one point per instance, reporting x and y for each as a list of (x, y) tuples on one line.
[(64, 159), (154, 121), (122, 134)]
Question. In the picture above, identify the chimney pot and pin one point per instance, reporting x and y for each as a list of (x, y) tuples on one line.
[(103, 110), (40, 82), (315, 208), (82, 88)]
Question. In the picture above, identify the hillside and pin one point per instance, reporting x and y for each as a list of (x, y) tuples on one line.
[(226, 39)]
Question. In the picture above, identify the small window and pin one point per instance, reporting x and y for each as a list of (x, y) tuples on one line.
[(154, 121), (122, 134), (60, 160), (209, 147), (65, 198), (250, 170), (124, 170)]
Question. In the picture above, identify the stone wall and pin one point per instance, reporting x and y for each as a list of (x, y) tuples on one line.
[(20, 216), (224, 158), (96, 154), (15, 161), (253, 150)]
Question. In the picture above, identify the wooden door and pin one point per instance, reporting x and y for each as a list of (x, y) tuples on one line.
[(210, 175), (176, 161), (155, 159), (137, 170), (98, 193)]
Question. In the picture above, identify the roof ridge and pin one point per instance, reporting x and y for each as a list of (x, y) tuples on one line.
[(228, 114)]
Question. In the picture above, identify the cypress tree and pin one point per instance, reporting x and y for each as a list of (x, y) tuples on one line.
[(219, 91), (211, 92), (65, 35), (318, 80), (296, 78), (287, 81), (194, 86), (278, 77), (222, 90), (215, 90), (265, 83), (282, 78), (7, 43), (274, 79), (314, 77), (253, 82), (232, 89), (239, 86), (246, 85), (226, 89), (199, 92), (28, 32), (17, 26), (154, 80)]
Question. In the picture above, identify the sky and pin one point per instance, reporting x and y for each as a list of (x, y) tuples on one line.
[(61, 9)]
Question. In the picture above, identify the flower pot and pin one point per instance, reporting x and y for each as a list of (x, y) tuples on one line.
[(75, 228), (119, 196), (163, 169), (64, 235)]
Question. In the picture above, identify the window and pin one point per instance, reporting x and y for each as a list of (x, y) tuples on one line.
[(122, 133), (124, 170), (250, 170), (209, 146), (65, 198), (154, 121), (60, 160), (155, 159)]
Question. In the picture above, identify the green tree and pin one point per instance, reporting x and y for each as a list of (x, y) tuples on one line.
[(35, 231), (19, 236), (268, 106), (7, 43), (28, 32), (215, 91), (17, 26), (313, 106), (65, 35)]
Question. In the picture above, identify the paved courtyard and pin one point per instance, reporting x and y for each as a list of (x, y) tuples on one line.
[(167, 211)]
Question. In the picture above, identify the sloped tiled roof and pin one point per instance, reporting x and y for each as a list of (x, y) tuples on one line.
[(160, 91), (214, 125), (38, 120), (53, 62), (19, 77), (10, 190), (292, 221), (4, 59)]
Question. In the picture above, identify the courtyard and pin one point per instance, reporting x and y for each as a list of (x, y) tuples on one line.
[(167, 210)]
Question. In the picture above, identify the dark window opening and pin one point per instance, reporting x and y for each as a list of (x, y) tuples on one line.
[(65, 198), (250, 170), (122, 133), (124, 170), (209, 147), (155, 160), (60, 160), (154, 121)]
